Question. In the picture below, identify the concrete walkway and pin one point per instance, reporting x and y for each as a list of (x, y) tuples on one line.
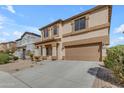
[(54, 74)]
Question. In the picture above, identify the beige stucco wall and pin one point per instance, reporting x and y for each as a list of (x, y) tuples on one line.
[(97, 33), (60, 51), (95, 18), (63, 52), (67, 28), (98, 18), (60, 30), (104, 52), (51, 32)]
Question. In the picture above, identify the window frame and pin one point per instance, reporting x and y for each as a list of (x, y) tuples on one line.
[(79, 24), (46, 35), (55, 30)]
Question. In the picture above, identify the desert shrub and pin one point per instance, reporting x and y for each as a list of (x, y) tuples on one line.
[(9, 51), (11, 56), (31, 56), (4, 58), (15, 58), (37, 58), (115, 61)]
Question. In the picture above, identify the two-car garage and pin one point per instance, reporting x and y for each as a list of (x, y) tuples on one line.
[(85, 52)]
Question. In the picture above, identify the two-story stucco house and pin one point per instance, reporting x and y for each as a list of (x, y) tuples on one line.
[(80, 37), (26, 44)]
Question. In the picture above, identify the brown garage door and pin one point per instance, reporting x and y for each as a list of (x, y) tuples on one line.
[(89, 52)]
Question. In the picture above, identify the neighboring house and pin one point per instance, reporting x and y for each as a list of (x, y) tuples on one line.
[(11, 46), (25, 45), (80, 37), (3, 47), (8, 46)]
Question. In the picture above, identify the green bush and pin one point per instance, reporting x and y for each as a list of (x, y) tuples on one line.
[(4, 58), (115, 61)]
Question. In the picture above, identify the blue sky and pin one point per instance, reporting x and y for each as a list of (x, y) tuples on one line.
[(15, 20)]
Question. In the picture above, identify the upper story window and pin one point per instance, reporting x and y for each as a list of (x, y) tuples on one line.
[(55, 30), (80, 24), (46, 33)]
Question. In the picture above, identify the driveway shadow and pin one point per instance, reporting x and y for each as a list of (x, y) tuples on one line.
[(104, 74)]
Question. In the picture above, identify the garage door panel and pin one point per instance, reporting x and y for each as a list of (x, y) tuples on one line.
[(83, 52)]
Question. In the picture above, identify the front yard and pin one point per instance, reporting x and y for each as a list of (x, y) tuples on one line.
[(17, 66), (10, 63)]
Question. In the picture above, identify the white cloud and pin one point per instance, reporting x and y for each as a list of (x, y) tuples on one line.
[(4, 20), (10, 9), (2, 40), (119, 40), (1, 26), (11, 30), (120, 29), (17, 34), (81, 8), (52, 19), (5, 34)]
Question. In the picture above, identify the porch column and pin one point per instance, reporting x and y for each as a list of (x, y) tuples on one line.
[(54, 54), (44, 50)]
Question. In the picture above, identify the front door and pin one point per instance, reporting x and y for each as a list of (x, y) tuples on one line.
[(24, 53)]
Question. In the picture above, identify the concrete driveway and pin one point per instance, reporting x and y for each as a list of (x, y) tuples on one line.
[(53, 74)]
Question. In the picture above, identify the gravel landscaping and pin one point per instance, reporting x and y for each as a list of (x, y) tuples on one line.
[(17, 66)]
